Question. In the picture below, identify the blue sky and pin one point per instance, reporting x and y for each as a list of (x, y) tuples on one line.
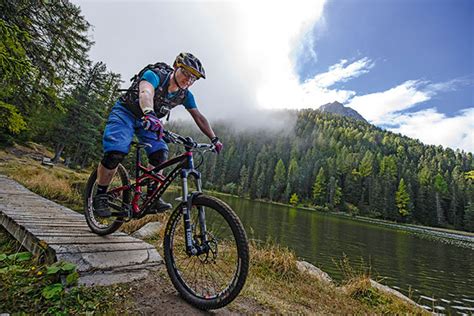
[(429, 40), (405, 65)]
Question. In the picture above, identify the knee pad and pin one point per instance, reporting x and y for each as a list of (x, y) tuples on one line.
[(112, 159), (158, 157)]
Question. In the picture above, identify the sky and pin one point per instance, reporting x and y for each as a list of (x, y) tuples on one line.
[(405, 65)]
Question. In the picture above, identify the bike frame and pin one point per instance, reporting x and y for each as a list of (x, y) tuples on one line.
[(185, 169)]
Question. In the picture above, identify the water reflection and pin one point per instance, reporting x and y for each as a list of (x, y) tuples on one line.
[(438, 275)]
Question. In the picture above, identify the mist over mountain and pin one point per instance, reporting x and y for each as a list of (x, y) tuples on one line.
[(335, 162), (339, 109)]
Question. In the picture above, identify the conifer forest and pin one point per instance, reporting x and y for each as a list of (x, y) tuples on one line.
[(53, 94)]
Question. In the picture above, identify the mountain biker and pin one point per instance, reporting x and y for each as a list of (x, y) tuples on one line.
[(154, 92)]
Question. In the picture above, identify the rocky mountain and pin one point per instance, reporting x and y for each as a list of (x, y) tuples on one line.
[(338, 108)]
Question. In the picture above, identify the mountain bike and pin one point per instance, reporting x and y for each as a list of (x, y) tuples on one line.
[(205, 245)]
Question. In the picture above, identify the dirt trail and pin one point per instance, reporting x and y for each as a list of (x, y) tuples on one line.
[(157, 296)]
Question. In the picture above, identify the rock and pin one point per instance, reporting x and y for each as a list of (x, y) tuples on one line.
[(339, 109), (47, 162), (148, 230), (388, 290), (307, 267)]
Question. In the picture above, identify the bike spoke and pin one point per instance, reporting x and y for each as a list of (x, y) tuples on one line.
[(207, 276)]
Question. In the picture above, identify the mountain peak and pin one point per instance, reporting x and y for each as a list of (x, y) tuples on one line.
[(339, 109)]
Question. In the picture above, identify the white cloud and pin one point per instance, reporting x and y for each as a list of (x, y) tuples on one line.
[(451, 85), (342, 73), (246, 48), (378, 107), (391, 108), (432, 127), (315, 91)]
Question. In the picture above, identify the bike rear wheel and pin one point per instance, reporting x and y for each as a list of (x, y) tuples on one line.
[(106, 225), (214, 278)]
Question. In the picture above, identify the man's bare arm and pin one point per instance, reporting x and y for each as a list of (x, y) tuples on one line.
[(202, 123), (145, 96)]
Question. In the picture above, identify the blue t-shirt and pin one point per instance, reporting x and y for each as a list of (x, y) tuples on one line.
[(154, 80)]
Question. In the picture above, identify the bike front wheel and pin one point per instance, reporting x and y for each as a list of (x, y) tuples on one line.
[(214, 277)]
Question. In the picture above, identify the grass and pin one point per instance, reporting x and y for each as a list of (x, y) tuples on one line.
[(28, 285), (274, 283), (59, 184), (62, 185)]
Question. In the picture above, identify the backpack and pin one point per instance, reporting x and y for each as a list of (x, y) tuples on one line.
[(161, 104)]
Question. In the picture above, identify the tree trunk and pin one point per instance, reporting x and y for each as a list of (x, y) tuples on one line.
[(58, 152), (439, 209)]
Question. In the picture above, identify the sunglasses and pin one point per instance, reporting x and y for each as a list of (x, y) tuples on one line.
[(188, 75)]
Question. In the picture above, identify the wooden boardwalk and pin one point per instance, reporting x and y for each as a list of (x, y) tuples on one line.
[(60, 234)]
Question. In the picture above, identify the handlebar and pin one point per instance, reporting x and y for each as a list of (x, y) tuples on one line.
[(188, 142)]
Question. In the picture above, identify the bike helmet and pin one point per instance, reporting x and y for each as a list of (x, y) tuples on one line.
[(189, 62)]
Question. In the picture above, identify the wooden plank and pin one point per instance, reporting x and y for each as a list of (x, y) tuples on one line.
[(29, 221), (45, 227), (33, 213), (27, 239), (30, 217), (32, 209), (65, 233), (53, 224), (47, 216), (45, 230), (92, 239)]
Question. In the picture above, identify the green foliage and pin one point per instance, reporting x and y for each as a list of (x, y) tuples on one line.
[(362, 165), (352, 209), (28, 286), (51, 92), (319, 188), (294, 200), (10, 120), (79, 129), (230, 188), (402, 199), (388, 167), (470, 175), (279, 181), (366, 165), (244, 180), (52, 291), (469, 217), (335, 193), (440, 184), (13, 60)]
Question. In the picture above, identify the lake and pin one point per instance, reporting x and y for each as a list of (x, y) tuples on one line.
[(437, 271)]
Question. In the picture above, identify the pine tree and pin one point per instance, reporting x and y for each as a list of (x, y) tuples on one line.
[(441, 188), (365, 173), (402, 199), (294, 200), (279, 181), (259, 192), (244, 180), (80, 129), (335, 193), (469, 217), (293, 176), (319, 188)]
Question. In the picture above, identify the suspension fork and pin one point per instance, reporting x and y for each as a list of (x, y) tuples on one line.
[(187, 202)]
